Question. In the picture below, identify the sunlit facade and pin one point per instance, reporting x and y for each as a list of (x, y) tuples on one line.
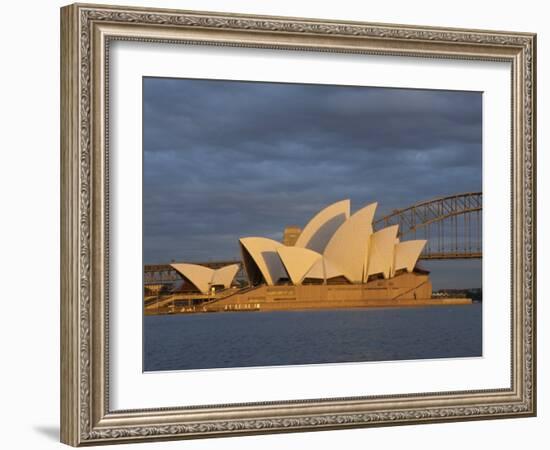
[(337, 260), (205, 279), (334, 245)]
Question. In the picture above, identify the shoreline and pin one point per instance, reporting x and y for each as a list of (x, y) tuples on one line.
[(272, 306)]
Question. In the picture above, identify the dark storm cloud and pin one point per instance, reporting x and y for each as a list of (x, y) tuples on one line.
[(225, 159)]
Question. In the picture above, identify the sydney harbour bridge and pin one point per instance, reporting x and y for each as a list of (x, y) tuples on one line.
[(452, 225)]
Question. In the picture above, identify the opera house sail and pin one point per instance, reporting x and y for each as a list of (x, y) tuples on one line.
[(204, 278), (333, 245), (337, 260)]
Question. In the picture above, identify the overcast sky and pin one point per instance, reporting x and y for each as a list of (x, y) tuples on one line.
[(228, 159)]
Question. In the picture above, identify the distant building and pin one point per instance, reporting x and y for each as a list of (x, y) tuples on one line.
[(291, 234)]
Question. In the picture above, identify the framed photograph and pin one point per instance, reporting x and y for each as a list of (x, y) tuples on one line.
[(275, 224)]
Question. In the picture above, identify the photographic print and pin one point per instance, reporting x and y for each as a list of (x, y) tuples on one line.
[(290, 224), (256, 208)]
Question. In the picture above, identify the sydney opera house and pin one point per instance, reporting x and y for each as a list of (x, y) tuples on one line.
[(334, 247), (336, 261)]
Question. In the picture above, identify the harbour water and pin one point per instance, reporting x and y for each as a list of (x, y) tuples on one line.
[(247, 339)]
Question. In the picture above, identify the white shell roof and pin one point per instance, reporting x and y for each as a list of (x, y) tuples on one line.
[(407, 253), (348, 247), (297, 261), (319, 230), (225, 275), (381, 252), (200, 276), (317, 271), (333, 244), (203, 277), (331, 271), (264, 253)]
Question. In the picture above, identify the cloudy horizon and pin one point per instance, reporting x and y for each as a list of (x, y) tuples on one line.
[(228, 159)]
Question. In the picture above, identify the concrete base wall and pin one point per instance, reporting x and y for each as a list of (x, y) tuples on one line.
[(408, 289)]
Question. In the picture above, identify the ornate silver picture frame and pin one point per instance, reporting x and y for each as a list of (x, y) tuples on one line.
[(87, 33)]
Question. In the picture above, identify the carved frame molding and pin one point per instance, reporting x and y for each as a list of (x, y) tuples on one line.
[(86, 32)]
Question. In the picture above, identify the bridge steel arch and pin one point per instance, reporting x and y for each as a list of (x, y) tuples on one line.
[(452, 225)]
